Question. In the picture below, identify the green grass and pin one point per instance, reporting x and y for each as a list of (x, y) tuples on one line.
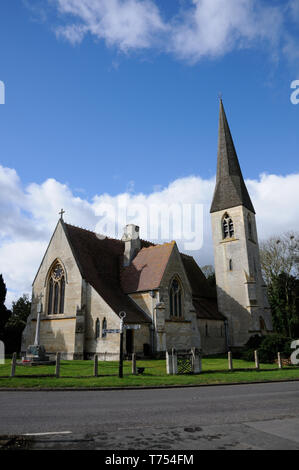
[(80, 374)]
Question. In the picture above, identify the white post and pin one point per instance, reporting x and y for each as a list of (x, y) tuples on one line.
[(134, 367), (256, 358), (174, 361), (37, 331), (2, 353), (279, 361), (96, 365), (57, 370), (13, 364), (169, 367), (230, 361)]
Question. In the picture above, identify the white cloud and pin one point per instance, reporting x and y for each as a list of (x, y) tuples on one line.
[(199, 28), (128, 24), (28, 216)]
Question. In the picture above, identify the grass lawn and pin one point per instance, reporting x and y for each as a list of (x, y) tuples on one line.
[(80, 374)]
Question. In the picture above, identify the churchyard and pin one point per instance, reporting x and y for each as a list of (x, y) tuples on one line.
[(80, 374)]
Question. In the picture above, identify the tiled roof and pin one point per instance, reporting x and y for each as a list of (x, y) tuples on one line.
[(147, 268), (99, 264)]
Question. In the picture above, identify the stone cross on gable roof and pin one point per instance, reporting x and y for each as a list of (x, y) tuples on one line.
[(61, 214)]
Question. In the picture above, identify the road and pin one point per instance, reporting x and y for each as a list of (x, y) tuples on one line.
[(256, 416)]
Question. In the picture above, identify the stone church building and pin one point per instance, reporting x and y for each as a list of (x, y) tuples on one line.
[(85, 282)]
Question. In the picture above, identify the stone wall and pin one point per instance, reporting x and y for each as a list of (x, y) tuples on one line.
[(58, 329)]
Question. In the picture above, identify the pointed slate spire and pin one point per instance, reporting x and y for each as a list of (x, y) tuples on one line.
[(230, 190)]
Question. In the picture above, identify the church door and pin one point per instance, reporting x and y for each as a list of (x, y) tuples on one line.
[(129, 341)]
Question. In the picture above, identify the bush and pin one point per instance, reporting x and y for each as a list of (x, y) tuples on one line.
[(268, 347)]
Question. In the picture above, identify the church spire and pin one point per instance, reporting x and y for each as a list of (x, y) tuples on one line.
[(230, 190)]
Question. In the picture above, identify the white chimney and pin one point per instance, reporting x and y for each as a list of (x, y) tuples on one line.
[(132, 243)]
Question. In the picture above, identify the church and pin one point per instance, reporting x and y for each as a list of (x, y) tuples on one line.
[(85, 282)]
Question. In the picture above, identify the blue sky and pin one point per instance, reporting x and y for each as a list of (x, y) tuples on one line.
[(121, 96), (98, 118)]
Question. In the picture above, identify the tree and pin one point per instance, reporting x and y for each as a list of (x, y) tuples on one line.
[(16, 323), (280, 254), (209, 272), (279, 260), (4, 312)]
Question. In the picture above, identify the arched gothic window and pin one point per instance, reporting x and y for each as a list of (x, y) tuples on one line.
[(56, 290), (228, 230), (97, 334), (175, 299), (104, 328)]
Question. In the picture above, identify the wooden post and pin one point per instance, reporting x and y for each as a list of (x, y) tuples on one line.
[(256, 358), (96, 365), (230, 361), (57, 369), (134, 367), (279, 361), (13, 364)]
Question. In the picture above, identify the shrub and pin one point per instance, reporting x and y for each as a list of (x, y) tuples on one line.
[(268, 347)]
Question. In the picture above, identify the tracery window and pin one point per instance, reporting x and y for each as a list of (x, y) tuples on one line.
[(228, 230), (56, 290), (175, 299)]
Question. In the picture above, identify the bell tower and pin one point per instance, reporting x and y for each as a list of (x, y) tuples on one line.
[(241, 291)]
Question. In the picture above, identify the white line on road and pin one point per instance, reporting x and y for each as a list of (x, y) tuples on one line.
[(46, 433)]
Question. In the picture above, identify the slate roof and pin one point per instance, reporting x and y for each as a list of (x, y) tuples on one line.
[(100, 262), (204, 297), (230, 190)]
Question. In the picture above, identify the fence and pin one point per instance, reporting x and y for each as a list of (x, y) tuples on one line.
[(176, 363)]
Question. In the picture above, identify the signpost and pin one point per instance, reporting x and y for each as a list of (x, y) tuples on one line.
[(121, 329), (122, 315)]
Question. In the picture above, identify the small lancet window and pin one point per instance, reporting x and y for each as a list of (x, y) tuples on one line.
[(250, 234), (104, 328), (97, 334), (56, 290), (227, 227), (230, 264), (175, 299), (262, 324)]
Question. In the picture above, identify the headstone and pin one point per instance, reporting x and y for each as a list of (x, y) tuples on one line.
[(2, 353)]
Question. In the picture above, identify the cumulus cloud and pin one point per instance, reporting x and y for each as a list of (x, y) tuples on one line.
[(127, 24), (199, 28), (29, 215)]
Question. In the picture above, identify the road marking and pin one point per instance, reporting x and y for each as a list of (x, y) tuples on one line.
[(46, 433)]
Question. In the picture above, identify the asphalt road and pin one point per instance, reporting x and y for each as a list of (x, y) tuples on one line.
[(257, 416)]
